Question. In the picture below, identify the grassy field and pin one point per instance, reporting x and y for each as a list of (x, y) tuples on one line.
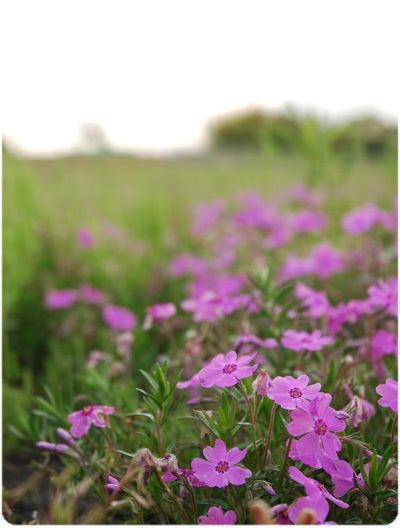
[(151, 202)]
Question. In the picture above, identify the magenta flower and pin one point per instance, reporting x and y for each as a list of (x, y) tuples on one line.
[(91, 295), (82, 420), (215, 515), (186, 263), (158, 312), (316, 422), (314, 302), (56, 299), (314, 489), (85, 238), (308, 221), (305, 195), (326, 261), (384, 295), (290, 393), (342, 475), (118, 318), (383, 342), (219, 469), (299, 341), (319, 506), (206, 216), (295, 267), (389, 393), (251, 338), (362, 219), (112, 484), (226, 371)]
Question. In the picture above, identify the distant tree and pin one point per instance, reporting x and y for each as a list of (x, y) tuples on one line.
[(94, 140)]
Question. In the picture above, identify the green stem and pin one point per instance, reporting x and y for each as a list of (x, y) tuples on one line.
[(252, 416), (271, 424), (393, 430), (283, 467)]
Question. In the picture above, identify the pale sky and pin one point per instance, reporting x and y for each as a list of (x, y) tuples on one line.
[(152, 73)]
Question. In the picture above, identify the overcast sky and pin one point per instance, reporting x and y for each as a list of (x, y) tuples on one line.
[(152, 73)]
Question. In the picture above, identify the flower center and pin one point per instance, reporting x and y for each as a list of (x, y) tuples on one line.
[(222, 466), (295, 393), (320, 427), (228, 369), (87, 409)]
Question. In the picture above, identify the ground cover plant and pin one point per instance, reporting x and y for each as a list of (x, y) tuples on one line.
[(256, 386)]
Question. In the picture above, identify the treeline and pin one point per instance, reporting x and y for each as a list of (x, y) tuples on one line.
[(292, 132)]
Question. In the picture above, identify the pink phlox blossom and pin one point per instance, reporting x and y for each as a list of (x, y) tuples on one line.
[(295, 266), (91, 415), (194, 381), (66, 436), (290, 393), (307, 221), (157, 313), (251, 338), (277, 238), (186, 263), (224, 259), (342, 475), (219, 469), (226, 370), (215, 515), (300, 341), (303, 194), (361, 219), (315, 303), (112, 484), (85, 238), (179, 474), (384, 295), (257, 213), (211, 307), (222, 285), (383, 342), (118, 318), (314, 489), (57, 299), (389, 393), (316, 422), (326, 261), (389, 220), (319, 506), (206, 215), (92, 295), (262, 383)]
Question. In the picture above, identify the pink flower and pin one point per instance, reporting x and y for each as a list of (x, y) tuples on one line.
[(113, 483), (250, 338), (56, 299), (215, 515), (82, 420), (94, 358), (326, 261), (383, 342), (226, 371), (85, 238), (308, 221), (315, 302), (384, 294), (389, 393), (303, 194), (361, 220), (219, 469), (118, 318), (295, 267), (314, 489), (290, 393), (186, 263), (299, 341), (319, 506), (317, 422), (158, 312), (91, 295), (342, 475)]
